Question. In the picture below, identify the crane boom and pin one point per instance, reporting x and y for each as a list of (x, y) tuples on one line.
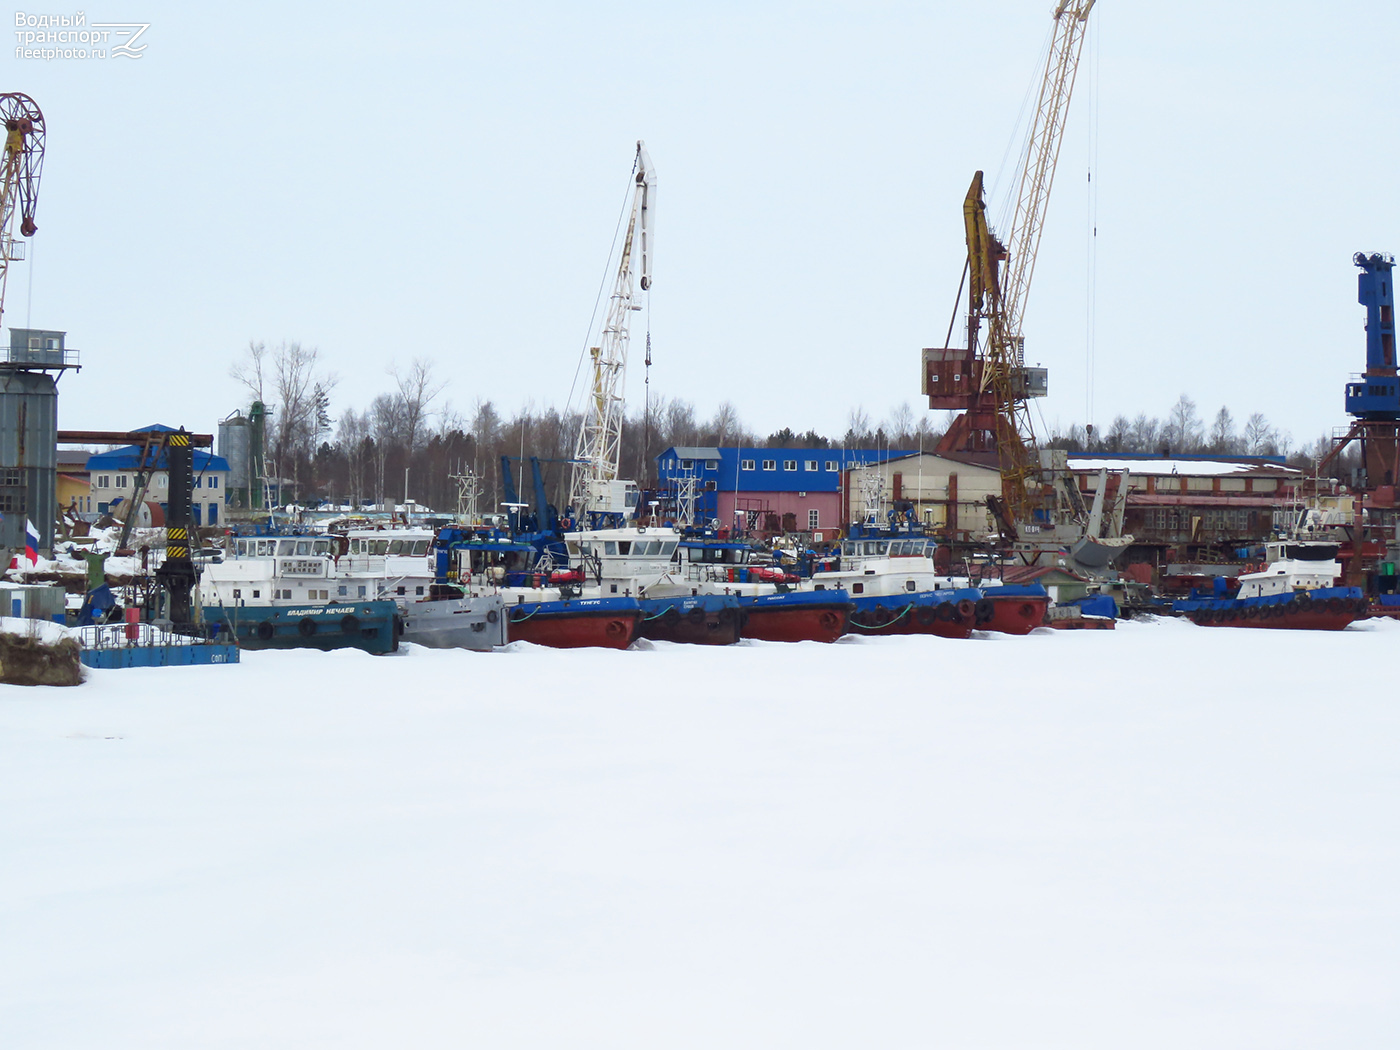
[(594, 486), (19, 177), (1043, 152), (990, 382)]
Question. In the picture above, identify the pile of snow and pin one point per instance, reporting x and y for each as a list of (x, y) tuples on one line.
[(45, 631), (1162, 836)]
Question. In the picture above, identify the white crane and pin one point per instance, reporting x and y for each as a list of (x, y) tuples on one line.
[(594, 488)]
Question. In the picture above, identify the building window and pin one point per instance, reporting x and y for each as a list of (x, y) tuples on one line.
[(687, 464), (102, 508), (709, 486), (9, 476), (214, 481), (770, 464), (712, 464), (909, 585), (831, 465), (418, 591), (746, 464), (857, 588), (343, 590), (160, 481), (121, 481), (810, 464), (789, 464), (213, 518), (237, 593), (255, 594), (104, 481), (814, 519), (12, 501)]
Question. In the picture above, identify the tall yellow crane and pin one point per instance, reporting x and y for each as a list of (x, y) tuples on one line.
[(988, 380), (19, 177)]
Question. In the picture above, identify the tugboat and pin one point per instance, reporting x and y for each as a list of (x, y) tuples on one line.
[(1294, 590), (544, 604), (774, 605), (395, 563), (895, 588), (283, 592)]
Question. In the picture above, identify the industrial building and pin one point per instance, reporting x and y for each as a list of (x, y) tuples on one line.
[(764, 489), (114, 478), (29, 374)]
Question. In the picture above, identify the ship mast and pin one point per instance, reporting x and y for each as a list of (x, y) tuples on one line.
[(594, 488)]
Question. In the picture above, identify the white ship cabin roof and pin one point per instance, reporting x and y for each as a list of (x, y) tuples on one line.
[(284, 546), (401, 542), (619, 544), (907, 547)]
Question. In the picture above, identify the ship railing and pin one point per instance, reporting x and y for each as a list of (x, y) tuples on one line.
[(116, 636)]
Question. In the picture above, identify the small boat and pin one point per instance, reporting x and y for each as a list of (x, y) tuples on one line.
[(1295, 589), (399, 563), (283, 592), (544, 604), (895, 589)]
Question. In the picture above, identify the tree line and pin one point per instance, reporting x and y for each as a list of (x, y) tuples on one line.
[(410, 442)]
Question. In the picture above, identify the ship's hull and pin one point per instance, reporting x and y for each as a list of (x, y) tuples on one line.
[(479, 624), (1012, 609), (608, 623), (704, 619), (1329, 610), (798, 616), (373, 626), (942, 614)]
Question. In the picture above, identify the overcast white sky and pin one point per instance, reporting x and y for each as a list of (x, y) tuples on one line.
[(387, 183)]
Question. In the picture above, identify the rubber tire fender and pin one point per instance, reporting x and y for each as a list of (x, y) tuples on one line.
[(350, 625), (265, 630), (985, 610), (306, 627)]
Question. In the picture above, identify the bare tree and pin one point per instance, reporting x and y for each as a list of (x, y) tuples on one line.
[(289, 372), (1183, 429), (386, 426), (418, 389), (900, 427), (1222, 432), (351, 437), (1258, 435)]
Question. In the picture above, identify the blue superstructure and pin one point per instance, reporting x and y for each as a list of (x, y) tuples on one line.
[(1377, 394)]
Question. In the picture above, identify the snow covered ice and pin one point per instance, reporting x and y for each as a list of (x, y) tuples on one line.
[(1160, 837)]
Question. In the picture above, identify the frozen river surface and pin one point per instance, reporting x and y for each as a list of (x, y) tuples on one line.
[(1161, 837)]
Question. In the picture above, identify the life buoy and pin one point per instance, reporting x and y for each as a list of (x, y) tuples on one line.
[(306, 627), (492, 616)]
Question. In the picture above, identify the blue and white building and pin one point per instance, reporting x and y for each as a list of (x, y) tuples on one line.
[(112, 478), (766, 489)]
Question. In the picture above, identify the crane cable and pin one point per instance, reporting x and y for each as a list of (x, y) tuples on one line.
[(607, 269), (1091, 226)]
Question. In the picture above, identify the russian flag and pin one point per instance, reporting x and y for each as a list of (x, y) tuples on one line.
[(31, 542)]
